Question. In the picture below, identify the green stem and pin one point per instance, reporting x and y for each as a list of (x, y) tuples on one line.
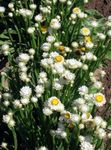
[(15, 139)]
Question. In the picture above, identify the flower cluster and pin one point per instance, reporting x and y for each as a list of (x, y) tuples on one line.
[(53, 93)]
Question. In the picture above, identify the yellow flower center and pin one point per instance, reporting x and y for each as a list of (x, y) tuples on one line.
[(67, 115), (85, 30), (55, 101), (83, 49), (88, 115), (76, 10), (99, 98), (61, 48), (88, 39), (43, 29), (58, 58)]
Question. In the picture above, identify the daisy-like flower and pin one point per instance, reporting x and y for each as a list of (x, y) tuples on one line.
[(99, 99), (55, 104), (85, 145), (44, 29), (25, 92), (59, 58), (86, 117), (55, 24), (83, 90), (76, 10), (23, 57), (66, 115), (47, 111), (85, 31), (61, 48)]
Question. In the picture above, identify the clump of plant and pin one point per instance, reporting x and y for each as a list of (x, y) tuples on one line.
[(49, 92)]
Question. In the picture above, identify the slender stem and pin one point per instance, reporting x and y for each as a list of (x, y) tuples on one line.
[(15, 139)]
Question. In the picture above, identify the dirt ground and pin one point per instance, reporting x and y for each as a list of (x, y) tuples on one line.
[(103, 6)]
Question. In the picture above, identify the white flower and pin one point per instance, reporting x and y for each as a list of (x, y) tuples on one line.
[(25, 91), (89, 45), (83, 90), (24, 101), (85, 145), (25, 12), (85, 67), (47, 111), (81, 126), (68, 76), (23, 76), (11, 123), (73, 16), (10, 14), (17, 103), (58, 68), (101, 36), (34, 99), (101, 133), (98, 85), (89, 56), (109, 33), (50, 39), (6, 118), (99, 99), (31, 30), (75, 118), (5, 47), (84, 108), (55, 104), (46, 47), (4, 145), (23, 57), (10, 5), (63, 134), (2, 9), (39, 90), (31, 51), (55, 24), (39, 18), (86, 116), (74, 44), (94, 24), (6, 103), (62, 1), (81, 15), (73, 63), (98, 120), (42, 148), (32, 6), (85, 31), (57, 85), (76, 10)]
